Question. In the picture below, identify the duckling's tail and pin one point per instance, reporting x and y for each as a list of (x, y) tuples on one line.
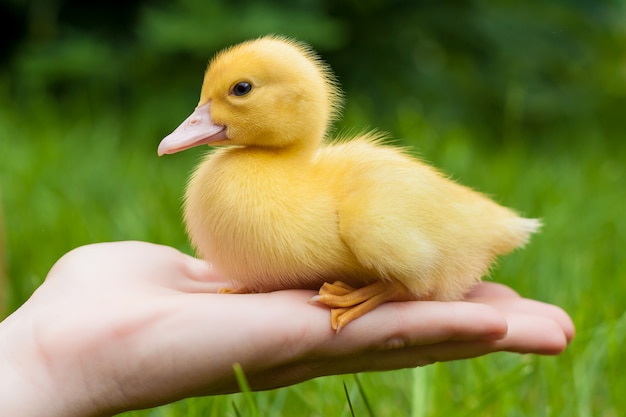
[(520, 229)]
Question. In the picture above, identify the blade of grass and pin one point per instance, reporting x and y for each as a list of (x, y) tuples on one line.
[(345, 390), (419, 395), (244, 386), (363, 396), (236, 409)]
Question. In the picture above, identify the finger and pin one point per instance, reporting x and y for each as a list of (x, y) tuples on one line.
[(527, 334), (408, 357), (202, 276), (533, 334), (491, 290), (536, 308), (183, 272), (402, 324)]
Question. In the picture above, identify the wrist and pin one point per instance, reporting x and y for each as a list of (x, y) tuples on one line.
[(28, 387)]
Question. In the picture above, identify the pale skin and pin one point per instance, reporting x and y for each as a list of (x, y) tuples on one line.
[(126, 325)]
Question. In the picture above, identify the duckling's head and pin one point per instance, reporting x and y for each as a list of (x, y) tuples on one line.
[(269, 92)]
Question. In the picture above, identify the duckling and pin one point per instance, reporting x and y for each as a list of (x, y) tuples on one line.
[(279, 205)]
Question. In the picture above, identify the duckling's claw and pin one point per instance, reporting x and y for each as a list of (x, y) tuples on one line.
[(335, 315)]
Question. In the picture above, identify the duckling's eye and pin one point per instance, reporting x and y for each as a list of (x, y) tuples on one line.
[(241, 89)]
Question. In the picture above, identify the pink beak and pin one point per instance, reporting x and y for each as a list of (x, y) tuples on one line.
[(197, 129)]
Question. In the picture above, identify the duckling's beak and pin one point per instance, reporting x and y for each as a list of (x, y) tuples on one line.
[(197, 129)]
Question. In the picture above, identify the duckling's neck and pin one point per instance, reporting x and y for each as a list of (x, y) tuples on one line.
[(261, 166), (296, 153)]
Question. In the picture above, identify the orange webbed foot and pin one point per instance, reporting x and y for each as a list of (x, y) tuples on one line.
[(348, 303)]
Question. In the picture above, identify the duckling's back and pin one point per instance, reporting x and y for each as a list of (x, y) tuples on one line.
[(404, 221)]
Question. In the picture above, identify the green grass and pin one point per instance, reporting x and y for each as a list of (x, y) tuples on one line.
[(74, 175)]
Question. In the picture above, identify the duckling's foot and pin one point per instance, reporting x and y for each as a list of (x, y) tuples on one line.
[(348, 303)]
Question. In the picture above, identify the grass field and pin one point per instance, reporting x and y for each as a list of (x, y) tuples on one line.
[(83, 173)]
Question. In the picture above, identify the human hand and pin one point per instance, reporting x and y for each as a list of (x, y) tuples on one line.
[(126, 325)]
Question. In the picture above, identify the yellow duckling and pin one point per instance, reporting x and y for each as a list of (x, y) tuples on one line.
[(275, 207)]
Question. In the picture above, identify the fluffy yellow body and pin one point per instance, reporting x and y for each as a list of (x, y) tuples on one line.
[(355, 211)]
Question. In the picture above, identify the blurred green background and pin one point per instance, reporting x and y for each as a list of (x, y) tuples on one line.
[(523, 101)]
